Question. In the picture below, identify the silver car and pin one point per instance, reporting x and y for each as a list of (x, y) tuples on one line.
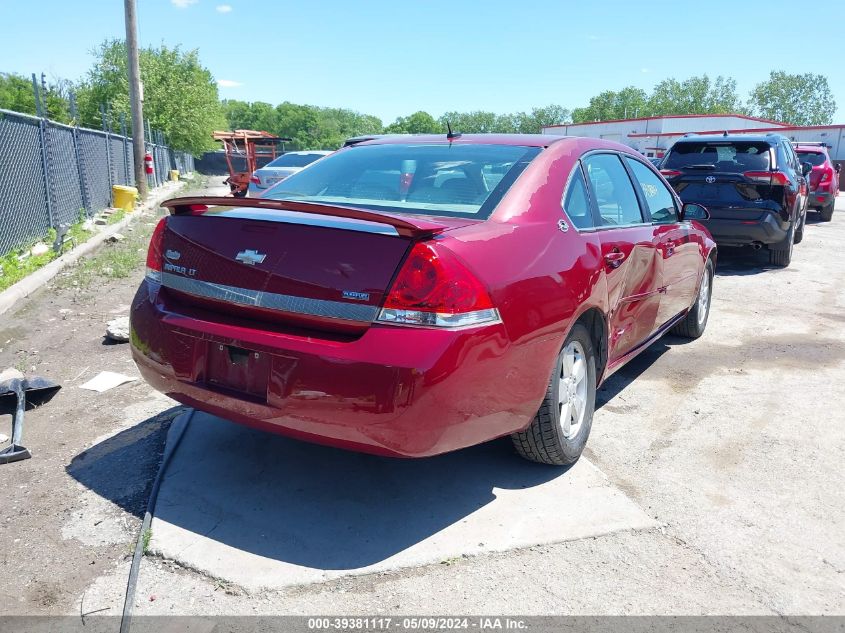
[(280, 168)]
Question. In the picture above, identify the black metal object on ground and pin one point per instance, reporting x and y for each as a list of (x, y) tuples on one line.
[(17, 394)]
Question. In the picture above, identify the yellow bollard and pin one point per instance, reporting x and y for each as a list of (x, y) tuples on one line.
[(124, 197), (174, 174)]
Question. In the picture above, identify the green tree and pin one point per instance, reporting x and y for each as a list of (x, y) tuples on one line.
[(628, 103), (797, 99), (533, 122), (417, 123), (16, 93), (180, 95), (696, 95)]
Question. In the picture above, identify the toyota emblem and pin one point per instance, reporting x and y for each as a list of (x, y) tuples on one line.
[(710, 180)]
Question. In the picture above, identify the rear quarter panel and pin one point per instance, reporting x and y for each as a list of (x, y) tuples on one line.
[(541, 278)]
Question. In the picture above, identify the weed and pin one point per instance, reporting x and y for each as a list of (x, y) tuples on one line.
[(148, 534)]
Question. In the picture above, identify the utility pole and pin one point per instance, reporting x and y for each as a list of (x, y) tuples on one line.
[(135, 97)]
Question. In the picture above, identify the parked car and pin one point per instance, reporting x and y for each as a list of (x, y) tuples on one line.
[(412, 296), (753, 185), (280, 168), (824, 179), (656, 161)]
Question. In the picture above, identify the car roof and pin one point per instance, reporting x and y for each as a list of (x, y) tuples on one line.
[(818, 149), (733, 138), (529, 140), (306, 151)]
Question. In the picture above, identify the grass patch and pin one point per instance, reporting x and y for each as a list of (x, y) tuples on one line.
[(14, 267), (148, 534), (116, 260), (116, 217)]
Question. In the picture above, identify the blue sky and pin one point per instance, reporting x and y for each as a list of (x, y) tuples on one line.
[(392, 58)]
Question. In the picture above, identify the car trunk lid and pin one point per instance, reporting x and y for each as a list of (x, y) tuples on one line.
[(287, 263)]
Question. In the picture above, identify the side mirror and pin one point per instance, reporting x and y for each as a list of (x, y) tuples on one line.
[(838, 167), (693, 211), (806, 168)]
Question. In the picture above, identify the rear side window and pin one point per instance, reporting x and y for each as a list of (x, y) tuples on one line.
[(613, 191), (294, 160), (814, 158), (576, 202), (660, 201), (459, 179), (736, 156)]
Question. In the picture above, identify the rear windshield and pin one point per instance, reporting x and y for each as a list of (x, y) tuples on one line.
[(294, 160), (737, 156), (814, 158), (459, 179)]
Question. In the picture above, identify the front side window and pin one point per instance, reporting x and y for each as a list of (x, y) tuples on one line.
[(576, 202), (458, 179), (613, 191), (660, 201)]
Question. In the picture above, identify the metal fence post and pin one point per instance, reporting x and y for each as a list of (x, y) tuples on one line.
[(108, 152), (80, 168), (125, 155), (42, 140)]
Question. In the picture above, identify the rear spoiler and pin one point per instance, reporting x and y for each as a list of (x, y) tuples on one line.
[(404, 225)]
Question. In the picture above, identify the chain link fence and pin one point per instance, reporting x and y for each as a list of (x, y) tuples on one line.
[(53, 174)]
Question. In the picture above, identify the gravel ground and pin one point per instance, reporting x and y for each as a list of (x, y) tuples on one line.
[(734, 443)]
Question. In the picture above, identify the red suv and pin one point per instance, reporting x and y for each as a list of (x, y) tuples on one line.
[(824, 179)]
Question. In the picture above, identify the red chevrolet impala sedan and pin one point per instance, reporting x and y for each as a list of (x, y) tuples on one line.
[(414, 295)]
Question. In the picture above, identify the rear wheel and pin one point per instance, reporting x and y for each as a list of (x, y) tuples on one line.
[(781, 254), (696, 320), (826, 213), (559, 431)]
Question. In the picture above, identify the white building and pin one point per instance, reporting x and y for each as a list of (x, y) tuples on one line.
[(652, 136)]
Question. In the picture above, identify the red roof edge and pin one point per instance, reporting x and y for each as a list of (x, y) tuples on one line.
[(672, 116)]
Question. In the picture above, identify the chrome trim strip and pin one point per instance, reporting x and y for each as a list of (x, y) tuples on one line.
[(292, 217), (270, 300)]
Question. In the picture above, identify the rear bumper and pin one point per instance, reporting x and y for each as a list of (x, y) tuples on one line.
[(393, 391), (766, 230), (819, 199)]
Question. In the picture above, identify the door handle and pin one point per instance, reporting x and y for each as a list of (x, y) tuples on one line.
[(615, 258)]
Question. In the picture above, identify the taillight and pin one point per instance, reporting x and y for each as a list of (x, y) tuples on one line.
[(769, 177), (670, 173), (435, 288), (827, 175), (155, 254), (255, 180)]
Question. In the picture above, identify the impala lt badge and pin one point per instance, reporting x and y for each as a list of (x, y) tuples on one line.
[(251, 258), (172, 255)]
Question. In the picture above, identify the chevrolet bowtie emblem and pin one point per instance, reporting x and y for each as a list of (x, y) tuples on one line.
[(251, 258)]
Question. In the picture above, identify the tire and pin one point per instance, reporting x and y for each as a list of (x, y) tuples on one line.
[(826, 213), (547, 440), (781, 255), (695, 321), (239, 194), (799, 234)]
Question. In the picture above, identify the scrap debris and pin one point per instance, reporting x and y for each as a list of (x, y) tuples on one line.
[(106, 380)]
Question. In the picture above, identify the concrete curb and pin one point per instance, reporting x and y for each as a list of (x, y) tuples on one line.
[(33, 282)]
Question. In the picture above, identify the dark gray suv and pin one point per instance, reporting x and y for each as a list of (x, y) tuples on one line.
[(754, 186)]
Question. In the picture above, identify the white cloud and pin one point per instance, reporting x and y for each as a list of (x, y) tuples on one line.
[(224, 8), (183, 4), (228, 83)]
